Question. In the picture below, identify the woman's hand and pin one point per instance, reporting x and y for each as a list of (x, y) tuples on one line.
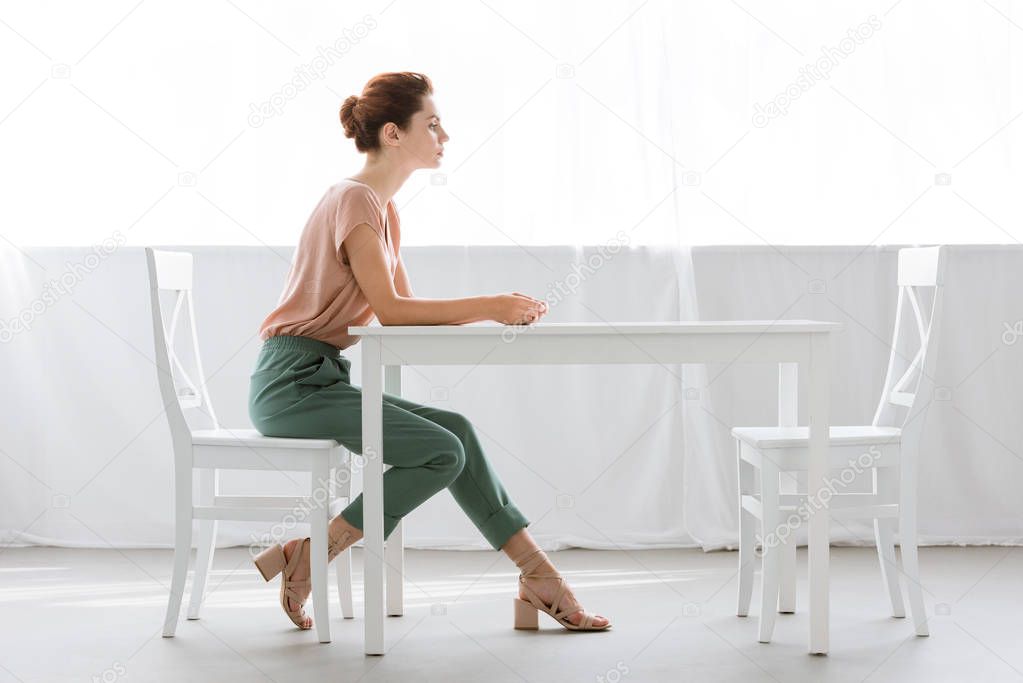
[(517, 309)]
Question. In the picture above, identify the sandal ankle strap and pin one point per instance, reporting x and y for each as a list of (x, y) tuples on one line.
[(335, 543), (530, 560)]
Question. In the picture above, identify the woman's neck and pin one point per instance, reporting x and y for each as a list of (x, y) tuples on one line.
[(384, 178)]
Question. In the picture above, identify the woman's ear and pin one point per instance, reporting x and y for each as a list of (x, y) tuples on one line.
[(390, 134)]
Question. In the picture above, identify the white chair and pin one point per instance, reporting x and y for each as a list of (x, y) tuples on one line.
[(211, 450), (889, 448)]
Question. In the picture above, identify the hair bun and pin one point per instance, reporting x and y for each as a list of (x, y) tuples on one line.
[(348, 118)]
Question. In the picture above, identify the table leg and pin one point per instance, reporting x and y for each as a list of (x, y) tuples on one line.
[(394, 551), (788, 416), (819, 494), (373, 494)]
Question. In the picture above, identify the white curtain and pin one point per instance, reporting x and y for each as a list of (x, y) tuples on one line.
[(596, 456)]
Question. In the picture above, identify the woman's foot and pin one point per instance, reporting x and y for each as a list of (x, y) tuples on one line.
[(547, 589), (300, 577), (341, 535)]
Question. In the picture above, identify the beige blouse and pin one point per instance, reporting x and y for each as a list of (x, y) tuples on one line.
[(321, 298)]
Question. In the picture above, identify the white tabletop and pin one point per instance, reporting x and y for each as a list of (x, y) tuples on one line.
[(670, 327)]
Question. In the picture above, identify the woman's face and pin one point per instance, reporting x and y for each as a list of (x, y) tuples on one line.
[(425, 138)]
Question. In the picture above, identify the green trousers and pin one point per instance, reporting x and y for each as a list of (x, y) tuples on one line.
[(301, 387)]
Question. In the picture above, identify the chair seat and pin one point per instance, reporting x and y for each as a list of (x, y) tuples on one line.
[(251, 438), (763, 438)]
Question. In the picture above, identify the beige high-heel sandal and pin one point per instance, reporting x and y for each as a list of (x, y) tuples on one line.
[(272, 562), (527, 612)]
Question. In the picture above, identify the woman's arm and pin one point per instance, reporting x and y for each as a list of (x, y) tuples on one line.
[(392, 301), (401, 281), (404, 288)]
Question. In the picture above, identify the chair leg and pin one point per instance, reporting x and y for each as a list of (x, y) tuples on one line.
[(344, 583), (771, 562), (884, 535), (205, 545), (886, 485), (787, 575), (787, 579), (907, 547), (911, 563), (747, 536), (394, 558), (319, 520), (341, 489), (182, 547)]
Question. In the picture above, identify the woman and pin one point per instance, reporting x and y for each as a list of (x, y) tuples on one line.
[(346, 271)]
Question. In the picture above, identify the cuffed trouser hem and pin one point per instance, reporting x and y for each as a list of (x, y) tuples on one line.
[(497, 528), (502, 525), (390, 523)]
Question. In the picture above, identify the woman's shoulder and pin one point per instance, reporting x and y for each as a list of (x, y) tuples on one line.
[(352, 202), (353, 190), (352, 194)]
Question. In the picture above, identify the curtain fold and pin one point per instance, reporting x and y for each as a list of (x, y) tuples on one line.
[(596, 456)]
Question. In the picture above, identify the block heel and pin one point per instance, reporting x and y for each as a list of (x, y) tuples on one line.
[(270, 562), (526, 616)]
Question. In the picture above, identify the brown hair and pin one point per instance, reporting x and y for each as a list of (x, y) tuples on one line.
[(387, 98)]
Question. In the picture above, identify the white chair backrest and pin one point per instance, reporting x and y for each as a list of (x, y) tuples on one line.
[(920, 280), (172, 271)]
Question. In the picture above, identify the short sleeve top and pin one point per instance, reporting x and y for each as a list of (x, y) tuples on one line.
[(321, 297)]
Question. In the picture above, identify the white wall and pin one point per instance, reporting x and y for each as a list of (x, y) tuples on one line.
[(568, 120)]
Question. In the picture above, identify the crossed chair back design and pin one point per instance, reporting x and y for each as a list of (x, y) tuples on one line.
[(208, 451), (889, 447)]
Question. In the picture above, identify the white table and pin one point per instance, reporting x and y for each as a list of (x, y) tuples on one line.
[(796, 345)]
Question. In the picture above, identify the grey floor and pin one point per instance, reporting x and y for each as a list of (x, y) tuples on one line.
[(95, 615)]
